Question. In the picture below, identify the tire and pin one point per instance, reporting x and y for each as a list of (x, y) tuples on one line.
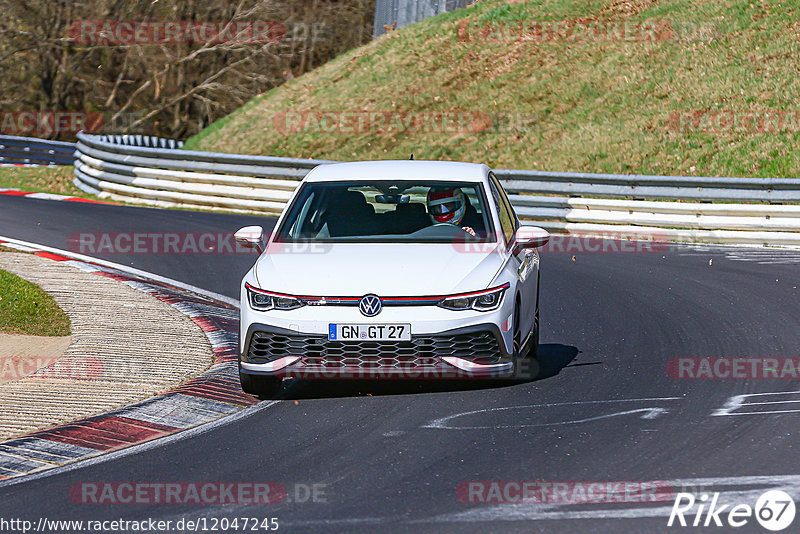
[(516, 343), (260, 385), (533, 352), (517, 357), (525, 356)]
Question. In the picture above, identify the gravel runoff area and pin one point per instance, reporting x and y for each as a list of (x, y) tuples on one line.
[(125, 346)]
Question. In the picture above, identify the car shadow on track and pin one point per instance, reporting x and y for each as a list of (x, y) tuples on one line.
[(552, 358)]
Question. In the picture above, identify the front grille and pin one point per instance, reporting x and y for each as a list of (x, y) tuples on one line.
[(421, 351)]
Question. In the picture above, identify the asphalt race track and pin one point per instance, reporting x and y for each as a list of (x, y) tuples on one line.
[(60, 225), (389, 456)]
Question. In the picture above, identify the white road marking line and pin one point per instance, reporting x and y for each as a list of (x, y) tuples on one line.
[(775, 402), (124, 269), (762, 256), (16, 246), (650, 413), (47, 196), (740, 401), (763, 413)]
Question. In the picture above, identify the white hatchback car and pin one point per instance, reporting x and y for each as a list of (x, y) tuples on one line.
[(390, 269)]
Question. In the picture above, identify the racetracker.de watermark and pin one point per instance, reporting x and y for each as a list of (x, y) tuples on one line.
[(179, 243), (51, 368), (583, 31), (388, 367), (560, 492), (754, 122), (124, 32), (44, 123), (731, 368), (577, 243), (204, 493), (348, 122), (155, 243), (606, 243)]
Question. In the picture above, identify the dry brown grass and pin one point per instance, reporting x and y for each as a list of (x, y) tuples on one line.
[(40, 179)]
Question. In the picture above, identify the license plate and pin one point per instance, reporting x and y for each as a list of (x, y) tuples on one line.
[(369, 332)]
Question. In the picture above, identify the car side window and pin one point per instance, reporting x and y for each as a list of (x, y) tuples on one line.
[(507, 222), (505, 198)]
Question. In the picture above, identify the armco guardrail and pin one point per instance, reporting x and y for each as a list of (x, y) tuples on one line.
[(748, 210), (119, 167), (31, 151)]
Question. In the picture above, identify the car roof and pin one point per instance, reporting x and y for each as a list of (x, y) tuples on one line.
[(445, 171)]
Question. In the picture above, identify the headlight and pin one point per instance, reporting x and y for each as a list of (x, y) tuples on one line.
[(487, 300), (262, 300)]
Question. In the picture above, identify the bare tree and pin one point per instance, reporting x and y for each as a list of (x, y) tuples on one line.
[(167, 88)]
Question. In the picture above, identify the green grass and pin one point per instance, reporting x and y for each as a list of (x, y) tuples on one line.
[(26, 309), (563, 105), (41, 180)]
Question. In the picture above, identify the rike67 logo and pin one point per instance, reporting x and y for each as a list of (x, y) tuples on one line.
[(774, 510)]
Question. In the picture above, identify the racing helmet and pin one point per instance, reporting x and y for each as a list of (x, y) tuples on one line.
[(446, 204)]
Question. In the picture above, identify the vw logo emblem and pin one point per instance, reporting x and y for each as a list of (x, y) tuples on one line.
[(370, 305)]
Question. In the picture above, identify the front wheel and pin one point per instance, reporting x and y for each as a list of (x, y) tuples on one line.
[(260, 385), (518, 357), (533, 351), (525, 355)]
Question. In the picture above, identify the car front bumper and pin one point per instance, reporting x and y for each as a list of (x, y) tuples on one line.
[(467, 352), (444, 343)]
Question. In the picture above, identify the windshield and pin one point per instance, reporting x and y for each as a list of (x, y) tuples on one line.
[(386, 211)]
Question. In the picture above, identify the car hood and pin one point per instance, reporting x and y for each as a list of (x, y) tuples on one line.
[(355, 269)]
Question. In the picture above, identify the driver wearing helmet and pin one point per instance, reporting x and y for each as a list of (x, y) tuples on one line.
[(448, 205)]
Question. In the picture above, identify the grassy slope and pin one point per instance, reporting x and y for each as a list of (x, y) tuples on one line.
[(581, 106), (26, 309), (41, 179)]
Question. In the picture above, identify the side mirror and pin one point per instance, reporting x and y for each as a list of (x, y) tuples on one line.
[(532, 237), (250, 237)]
